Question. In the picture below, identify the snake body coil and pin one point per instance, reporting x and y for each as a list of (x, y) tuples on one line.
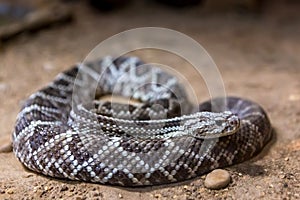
[(64, 131)]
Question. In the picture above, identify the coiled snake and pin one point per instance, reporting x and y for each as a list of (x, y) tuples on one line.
[(65, 131)]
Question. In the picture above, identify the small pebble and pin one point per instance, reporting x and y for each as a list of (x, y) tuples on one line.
[(286, 159), (35, 188), (27, 175), (6, 148), (97, 193), (217, 179), (282, 176), (9, 191), (64, 188)]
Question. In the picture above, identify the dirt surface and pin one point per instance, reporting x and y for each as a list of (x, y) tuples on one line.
[(257, 55)]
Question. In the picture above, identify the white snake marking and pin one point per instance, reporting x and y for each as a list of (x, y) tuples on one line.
[(65, 131)]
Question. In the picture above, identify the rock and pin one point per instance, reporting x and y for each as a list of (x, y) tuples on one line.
[(10, 191), (6, 148), (27, 175), (64, 188), (217, 179)]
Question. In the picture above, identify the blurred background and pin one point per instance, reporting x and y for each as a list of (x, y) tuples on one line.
[(125, 14)]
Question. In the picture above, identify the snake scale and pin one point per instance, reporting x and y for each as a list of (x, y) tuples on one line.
[(65, 130)]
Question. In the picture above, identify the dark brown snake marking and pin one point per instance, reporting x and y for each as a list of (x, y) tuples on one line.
[(62, 132)]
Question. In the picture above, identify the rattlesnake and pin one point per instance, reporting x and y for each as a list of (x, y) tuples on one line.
[(65, 131)]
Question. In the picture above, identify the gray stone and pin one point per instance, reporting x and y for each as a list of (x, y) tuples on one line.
[(217, 179)]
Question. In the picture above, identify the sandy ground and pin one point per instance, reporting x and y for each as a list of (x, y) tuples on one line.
[(257, 55)]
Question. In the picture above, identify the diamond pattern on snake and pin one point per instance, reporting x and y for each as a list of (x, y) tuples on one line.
[(65, 130)]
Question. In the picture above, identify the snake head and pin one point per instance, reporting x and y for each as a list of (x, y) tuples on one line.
[(213, 125)]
